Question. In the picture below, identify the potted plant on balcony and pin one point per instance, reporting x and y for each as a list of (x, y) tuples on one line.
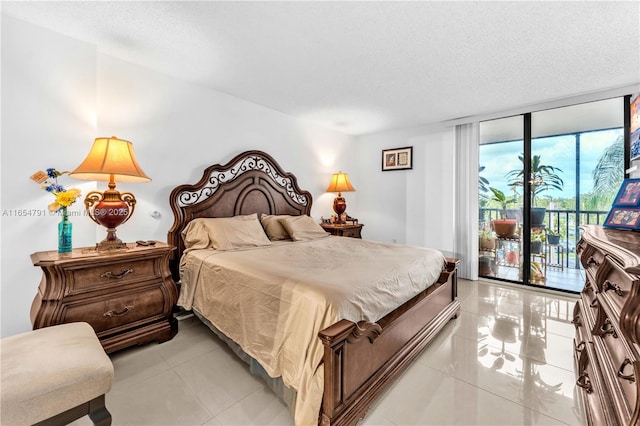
[(543, 178), (503, 227), (553, 238), (486, 240), (537, 240)]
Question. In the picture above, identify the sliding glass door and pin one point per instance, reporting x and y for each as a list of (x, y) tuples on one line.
[(500, 244), (550, 172), (578, 153)]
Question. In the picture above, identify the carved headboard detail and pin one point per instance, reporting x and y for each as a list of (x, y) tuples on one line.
[(252, 182)]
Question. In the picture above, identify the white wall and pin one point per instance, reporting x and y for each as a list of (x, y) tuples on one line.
[(48, 114), (179, 128), (408, 206), (59, 94)]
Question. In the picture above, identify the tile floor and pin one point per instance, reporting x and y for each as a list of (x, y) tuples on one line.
[(507, 360)]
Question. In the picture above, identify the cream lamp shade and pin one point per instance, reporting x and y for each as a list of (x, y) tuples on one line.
[(110, 159), (111, 156), (340, 183)]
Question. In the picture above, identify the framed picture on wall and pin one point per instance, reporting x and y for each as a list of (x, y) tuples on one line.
[(624, 218), (629, 194), (397, 159), (634, 128)]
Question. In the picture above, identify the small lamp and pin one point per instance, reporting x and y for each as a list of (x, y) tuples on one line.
[(110, 159), (340, 183)]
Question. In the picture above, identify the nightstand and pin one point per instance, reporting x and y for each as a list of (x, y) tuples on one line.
[(126, 295), (343, 230)]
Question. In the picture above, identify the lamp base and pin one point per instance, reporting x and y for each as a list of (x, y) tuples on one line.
[(112, 242), (339, 206), (110, 209)]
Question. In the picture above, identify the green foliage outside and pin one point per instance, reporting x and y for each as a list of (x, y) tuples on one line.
[(607, 176)]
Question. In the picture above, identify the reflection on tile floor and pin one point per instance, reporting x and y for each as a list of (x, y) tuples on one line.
[(507, 360)]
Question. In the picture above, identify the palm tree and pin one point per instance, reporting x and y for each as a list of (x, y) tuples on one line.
[(483, 183), (609, 173), (543, 177)]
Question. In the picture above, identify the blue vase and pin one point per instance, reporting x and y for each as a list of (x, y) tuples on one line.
[(64, 233)]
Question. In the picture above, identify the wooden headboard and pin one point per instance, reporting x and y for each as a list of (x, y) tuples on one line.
[(252, 182)]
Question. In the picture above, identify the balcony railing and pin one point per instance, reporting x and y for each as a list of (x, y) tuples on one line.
[(566, 223)]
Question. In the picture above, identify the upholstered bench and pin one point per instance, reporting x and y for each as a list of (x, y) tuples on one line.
[(53, 376)]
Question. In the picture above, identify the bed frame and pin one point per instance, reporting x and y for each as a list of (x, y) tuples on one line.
[(360, 360)]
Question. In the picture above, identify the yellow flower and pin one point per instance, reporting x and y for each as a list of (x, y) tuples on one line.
[(64, 199)]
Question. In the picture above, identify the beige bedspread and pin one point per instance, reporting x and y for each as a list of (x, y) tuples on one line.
[(274, 300)]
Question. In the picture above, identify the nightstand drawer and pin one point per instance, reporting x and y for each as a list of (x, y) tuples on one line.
[(352, 233), (118, 310), (343, 230), (112, 273)]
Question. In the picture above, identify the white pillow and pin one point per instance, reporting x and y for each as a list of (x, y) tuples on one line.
[(303, 228), (274, 229), (228, 233)]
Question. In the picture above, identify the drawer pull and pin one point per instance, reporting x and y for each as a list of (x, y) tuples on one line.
[(608, 285), (592, 261), (607, 328), (112, 313), (629, 377), (584, 382), (122, 274), (576, 321)]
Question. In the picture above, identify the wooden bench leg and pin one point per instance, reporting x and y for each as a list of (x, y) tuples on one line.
[(98, 412), (95, 408)]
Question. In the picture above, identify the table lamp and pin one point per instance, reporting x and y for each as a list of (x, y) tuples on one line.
[(340, 183), (110, 159)]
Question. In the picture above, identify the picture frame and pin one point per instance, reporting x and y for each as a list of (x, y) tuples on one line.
[(623, 218), (629, 194), (634, 128), (397, 159)]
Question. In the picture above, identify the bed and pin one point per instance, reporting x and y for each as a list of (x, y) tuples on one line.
[(342, 364)]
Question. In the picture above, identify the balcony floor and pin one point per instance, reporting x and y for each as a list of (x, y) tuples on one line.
[(567, 279)]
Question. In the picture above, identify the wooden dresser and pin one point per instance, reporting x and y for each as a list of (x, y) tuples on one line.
[(127, 296), (607, 320), (346, 230)]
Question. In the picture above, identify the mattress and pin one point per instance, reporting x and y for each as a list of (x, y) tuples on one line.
[(273, 300)]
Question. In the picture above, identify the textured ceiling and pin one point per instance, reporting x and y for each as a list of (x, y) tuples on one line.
[(363, 67)]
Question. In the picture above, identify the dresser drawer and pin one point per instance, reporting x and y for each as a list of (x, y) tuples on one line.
[(614, 284), (591, 259), (104, 275), (617, 362), (118, 309), (587, 384)]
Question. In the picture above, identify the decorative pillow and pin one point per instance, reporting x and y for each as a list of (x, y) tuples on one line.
[(228, 233), (274, 229), (303, 228)]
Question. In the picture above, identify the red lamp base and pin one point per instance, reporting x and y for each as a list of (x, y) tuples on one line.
[(339, 206), (110, 209)]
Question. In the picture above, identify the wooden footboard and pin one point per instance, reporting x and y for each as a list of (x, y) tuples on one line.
[(361, 360)]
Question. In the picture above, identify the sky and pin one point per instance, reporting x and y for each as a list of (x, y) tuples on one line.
[(557, 151)]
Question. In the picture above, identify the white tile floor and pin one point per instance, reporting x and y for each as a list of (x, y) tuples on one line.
[(507, 360)]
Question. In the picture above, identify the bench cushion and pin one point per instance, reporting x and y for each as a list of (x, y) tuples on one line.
[(50, 370)]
